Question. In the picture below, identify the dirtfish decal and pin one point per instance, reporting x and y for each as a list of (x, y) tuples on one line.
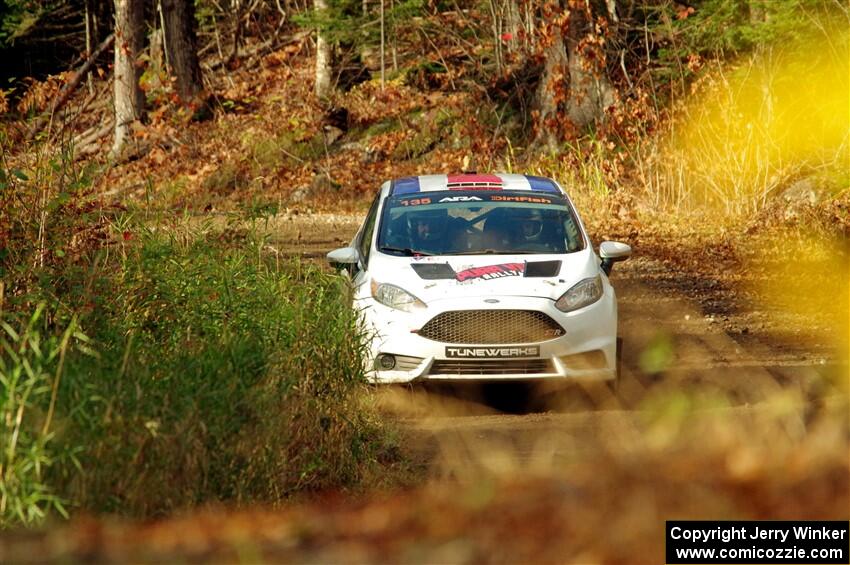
[(489, 272)]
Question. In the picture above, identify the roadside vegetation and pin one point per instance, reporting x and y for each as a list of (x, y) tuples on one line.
[(152, 366), (158, 353)]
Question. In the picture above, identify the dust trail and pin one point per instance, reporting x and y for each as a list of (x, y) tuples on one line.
[(681, 370)]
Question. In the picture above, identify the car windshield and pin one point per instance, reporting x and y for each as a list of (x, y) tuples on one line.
[(477, 222)]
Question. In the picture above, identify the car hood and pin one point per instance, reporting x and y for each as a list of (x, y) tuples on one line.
[(451, 277)]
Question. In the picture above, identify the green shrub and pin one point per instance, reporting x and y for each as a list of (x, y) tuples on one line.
[(220, 375), (224, 376), (28, 386), (730, 28)]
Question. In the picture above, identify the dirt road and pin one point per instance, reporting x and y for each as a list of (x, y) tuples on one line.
[(683, 331), (671, 349), (730, 408)]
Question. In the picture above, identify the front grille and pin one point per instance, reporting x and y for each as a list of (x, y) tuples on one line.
[(491, 367), (491, 327)]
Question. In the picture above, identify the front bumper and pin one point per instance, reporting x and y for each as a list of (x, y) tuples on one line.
[(586, 351)]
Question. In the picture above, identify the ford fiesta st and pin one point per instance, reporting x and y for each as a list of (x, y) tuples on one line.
[(482, 277)]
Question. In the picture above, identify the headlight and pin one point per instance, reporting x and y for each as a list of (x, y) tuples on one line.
[(395, 297), (584, 292)]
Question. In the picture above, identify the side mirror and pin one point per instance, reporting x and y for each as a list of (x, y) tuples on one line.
[(344, 258), (611, 252)]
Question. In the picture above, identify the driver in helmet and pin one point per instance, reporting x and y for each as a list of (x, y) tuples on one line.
[(529, 225), (426, 229), (528, 230)]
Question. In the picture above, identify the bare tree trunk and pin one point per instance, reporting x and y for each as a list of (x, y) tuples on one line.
[(157, 60), (495, 24), (180, 41), (324, 57), (611, 6), (575, 83), (591, 91), (129, 40), (394, 42), (513, 24), (89, 39), (237, 28), (383, 43), (549, 92)]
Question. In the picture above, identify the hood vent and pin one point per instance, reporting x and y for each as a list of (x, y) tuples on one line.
[(542, 268), (434, 271)]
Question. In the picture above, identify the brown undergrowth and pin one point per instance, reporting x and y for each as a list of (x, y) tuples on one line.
[(769, 462)]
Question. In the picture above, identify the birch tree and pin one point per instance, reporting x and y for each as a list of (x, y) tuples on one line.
[(129, 40), (324, 55)]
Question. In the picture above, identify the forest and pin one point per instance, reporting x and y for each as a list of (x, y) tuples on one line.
[(174, 350)]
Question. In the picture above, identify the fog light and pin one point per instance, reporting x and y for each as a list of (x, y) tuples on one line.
[(385, 362)]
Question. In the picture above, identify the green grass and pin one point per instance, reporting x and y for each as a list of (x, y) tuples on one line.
[(28, 389), (248, 370), (166, 367)]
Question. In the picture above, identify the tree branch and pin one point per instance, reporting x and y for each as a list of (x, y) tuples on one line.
[(69, 88)]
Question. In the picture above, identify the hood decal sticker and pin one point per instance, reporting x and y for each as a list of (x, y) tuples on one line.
[(488, 272), (444, 271)]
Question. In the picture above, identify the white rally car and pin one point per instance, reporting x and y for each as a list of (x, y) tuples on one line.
[(482, 277)]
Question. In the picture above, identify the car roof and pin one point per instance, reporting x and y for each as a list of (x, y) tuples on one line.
[(473, 181)]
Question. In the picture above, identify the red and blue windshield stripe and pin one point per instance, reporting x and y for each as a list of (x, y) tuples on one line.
[(406, 185), (542, 184), (459, 182)]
